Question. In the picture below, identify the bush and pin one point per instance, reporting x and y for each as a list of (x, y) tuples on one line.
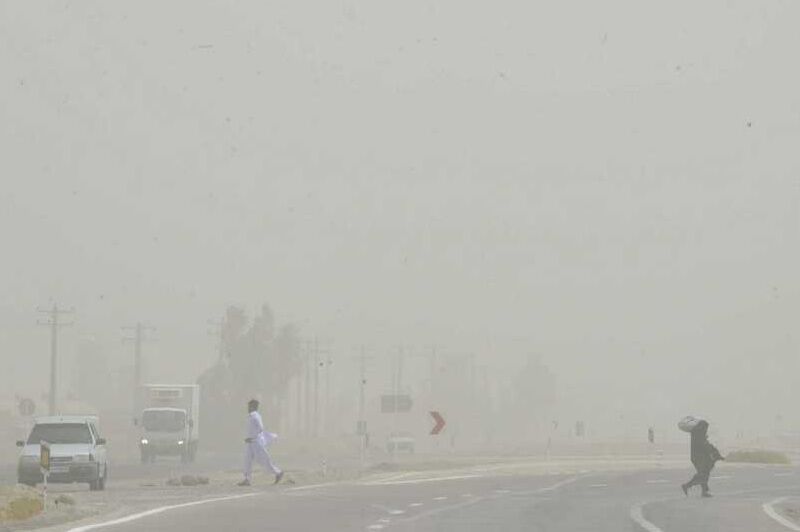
[(758, 456), (65, 499), (21, 508)]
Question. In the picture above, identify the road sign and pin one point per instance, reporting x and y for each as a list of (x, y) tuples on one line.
[(44, 456), (391, 404), (437, 417), (26, 407)]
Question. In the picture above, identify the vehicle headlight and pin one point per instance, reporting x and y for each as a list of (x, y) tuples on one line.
[(180, 442), (144, 441)]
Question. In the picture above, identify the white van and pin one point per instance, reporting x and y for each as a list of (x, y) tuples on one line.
[(77, 452)]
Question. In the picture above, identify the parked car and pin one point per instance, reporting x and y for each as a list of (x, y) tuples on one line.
[(77, 452), (400, 442)]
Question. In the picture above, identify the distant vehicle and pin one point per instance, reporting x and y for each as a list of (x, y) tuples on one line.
[(400, 442), (77, 452), (170, 421)]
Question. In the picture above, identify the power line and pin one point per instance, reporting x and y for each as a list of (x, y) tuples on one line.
[(53, 321), (139, 332)]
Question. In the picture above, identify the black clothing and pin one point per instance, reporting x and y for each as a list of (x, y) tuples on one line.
[(704, 456)]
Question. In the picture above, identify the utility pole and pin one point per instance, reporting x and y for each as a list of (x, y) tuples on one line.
[(307, 390), (325, 363), (327, 424), (315, 428), (298, 405), (361, 424), (54, 324), (362, 382), (397, 381), (139, 331)]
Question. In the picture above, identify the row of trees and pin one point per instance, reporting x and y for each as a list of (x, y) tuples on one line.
[(257, 360)]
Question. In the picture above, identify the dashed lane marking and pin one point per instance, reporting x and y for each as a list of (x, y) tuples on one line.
[(769, 509), (441, 498), (415, 505), (657, 481), (598, 485), (475, 500), (418, 480)]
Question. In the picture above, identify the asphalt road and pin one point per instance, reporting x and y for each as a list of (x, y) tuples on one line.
[(484, 501)]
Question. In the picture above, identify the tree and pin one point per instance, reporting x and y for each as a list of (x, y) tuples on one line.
[(256, 364)]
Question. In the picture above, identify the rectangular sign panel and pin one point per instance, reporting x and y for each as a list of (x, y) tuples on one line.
[(391, 404)]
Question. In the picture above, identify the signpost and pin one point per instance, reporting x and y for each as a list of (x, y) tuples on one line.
[(44, 464), (396, 403), (437, 417), (27, 407)]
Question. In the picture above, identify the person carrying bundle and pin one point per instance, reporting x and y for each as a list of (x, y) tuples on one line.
[(703, 454)]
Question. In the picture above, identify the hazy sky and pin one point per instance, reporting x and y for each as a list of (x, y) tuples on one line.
[(613, 185)]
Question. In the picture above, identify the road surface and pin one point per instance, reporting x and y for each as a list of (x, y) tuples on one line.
[(426, 502)]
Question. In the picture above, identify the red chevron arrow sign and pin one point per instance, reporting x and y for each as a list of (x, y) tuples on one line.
[(437, 417)]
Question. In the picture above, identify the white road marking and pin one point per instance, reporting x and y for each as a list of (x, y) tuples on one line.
[(557, 485), (722, 477), (154, 511), (502, 491), (474, 500), (769, 509), (418, 480), (311, 486), (466, 495), (442, 498), (415, 505), (375, 527), (784, 474), (441, 510), (388, 510), (637, 515), (598, 485)]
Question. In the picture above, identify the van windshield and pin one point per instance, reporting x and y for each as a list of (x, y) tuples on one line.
[(163, 420), (60, 433)]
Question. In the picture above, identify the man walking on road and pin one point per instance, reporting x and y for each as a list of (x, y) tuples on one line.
[(256, 446), (704, 457)]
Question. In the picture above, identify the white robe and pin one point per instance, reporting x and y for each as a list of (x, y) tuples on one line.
[(256, 450)]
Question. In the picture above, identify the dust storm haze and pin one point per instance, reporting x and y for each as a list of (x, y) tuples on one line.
[(589, 213)]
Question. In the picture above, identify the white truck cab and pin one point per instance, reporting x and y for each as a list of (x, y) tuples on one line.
[(77, 452), (169, 422)]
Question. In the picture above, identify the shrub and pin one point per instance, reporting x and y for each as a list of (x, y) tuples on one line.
[(758, 456)]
